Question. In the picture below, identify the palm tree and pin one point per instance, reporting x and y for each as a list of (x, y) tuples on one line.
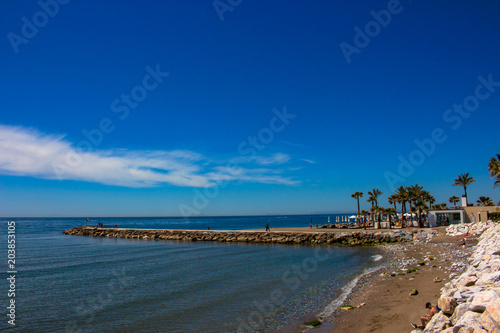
[(485, 201), (376, 210), (464, 180), (431, 200), (392, 199), (364, 213), (357, 195), (375, 194), (415, 192), (454, 199), (402, 196), (411, 196), (420, 205), (494, 168), (390, 212), (413, 211), (427, 197)]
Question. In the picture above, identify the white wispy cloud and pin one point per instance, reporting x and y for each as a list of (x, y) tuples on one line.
[(28, 152), (275, 159)]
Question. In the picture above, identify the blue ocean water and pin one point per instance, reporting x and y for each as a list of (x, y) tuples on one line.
[(86, 284)]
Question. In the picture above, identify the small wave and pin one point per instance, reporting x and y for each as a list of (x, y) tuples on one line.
[(376, 257), (346, 290)]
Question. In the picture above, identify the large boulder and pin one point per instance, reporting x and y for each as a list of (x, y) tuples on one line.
[(490, 319), (483, 299), (459, 312), (447, 304), (468, 320), (487, 279), (437, 324), (468, 281)]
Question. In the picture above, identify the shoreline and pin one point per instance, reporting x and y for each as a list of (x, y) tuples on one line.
[(386, 302)]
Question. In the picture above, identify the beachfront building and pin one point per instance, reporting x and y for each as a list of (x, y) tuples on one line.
[(458, 215)]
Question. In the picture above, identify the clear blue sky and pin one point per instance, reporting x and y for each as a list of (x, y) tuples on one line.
[(258, 108)]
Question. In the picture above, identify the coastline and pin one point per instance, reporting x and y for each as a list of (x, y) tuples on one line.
[(386, 304), (382, 302)]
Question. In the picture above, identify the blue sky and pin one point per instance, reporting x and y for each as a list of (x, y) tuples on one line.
[(206, 108)]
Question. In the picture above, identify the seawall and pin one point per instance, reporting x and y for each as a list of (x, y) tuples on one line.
[(349, 238)]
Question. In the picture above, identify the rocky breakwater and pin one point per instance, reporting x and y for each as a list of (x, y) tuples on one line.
[(471, 302), (472, 229), (351, 238)]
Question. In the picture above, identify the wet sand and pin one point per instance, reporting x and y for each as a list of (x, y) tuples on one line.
[(389, 308)]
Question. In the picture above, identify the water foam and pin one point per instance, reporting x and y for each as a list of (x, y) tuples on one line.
[(346, 290)]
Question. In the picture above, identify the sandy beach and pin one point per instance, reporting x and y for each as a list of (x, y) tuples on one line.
[(388, 306)]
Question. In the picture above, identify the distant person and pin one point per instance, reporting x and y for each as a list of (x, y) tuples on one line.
[(427, 318), (311, 224), (208, 228), (116, 225), (267, 227)]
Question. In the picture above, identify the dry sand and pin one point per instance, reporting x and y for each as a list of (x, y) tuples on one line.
[(389, 308)]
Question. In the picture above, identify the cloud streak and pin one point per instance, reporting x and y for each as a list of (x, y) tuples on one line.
[(28, 152)]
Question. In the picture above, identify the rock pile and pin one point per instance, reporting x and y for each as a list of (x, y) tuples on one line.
[(473, 229), (351, 238), (471, 302)]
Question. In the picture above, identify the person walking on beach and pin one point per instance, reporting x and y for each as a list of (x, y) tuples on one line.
[(267, 227), (311, 223), (427, 318)]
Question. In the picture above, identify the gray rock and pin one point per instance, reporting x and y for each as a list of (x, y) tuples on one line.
[(447, 304), (458, 313), (482, 300), (469, 319), (437, 323), (489, 279)]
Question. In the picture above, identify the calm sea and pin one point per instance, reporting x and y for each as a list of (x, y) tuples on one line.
[(85, 284)]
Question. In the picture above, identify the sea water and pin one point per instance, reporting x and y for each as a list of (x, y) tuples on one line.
[(92, 284)]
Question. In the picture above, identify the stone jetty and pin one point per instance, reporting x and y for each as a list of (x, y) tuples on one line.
[(348, 238)]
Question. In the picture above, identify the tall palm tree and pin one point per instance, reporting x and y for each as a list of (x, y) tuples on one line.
[(357, 195), (420, 205), (364, 213), (392, 199), (494, 168), (454, 199), (390, 212), (464, 180), (410, 194), (376, 210), (402, 196), (427, 197), (375, 194), (431, 200), (485, 201), (414, 194)]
